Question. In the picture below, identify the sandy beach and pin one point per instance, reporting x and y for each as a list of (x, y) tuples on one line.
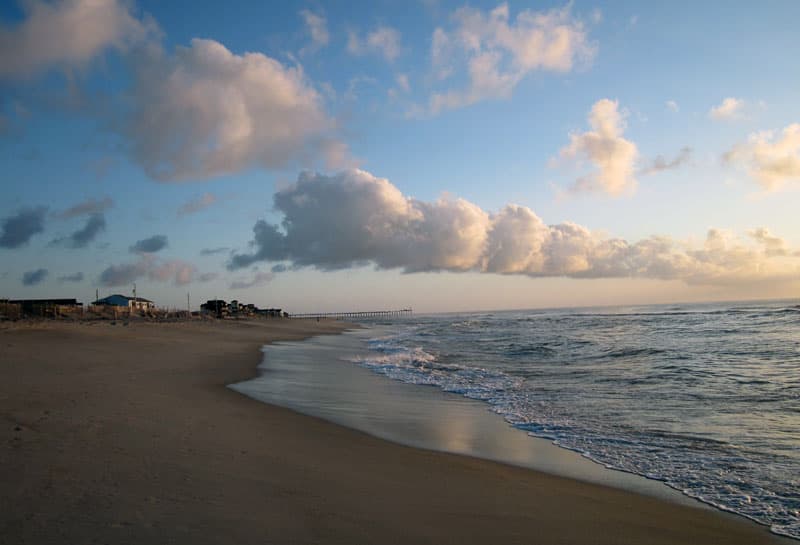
[(127, 434)]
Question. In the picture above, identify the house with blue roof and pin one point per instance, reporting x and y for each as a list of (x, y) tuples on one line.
[(124, 301)]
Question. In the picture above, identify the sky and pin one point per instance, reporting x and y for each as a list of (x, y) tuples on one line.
[(445, 156)]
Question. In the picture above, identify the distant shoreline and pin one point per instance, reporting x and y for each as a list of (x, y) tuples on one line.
[(128, 435)]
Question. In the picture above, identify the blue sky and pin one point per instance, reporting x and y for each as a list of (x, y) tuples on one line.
[(652, 151)]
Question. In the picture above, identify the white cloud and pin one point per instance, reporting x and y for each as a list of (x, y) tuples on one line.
[(660, 163), (148, 266), (402, 86), (206, 112), (604, 147), (89, 206), (402, 82), (260, 278), (772, 159), (66, 34), (354, 218), (773, 245), (729, 109), (197, 204), (384, 41), (317, 27), (673, 106), (498, 51)]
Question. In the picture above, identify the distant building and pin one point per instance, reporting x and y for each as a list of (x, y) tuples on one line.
[(270, 312), (46, 307), (215, 306), (223, 309), (118, 300)]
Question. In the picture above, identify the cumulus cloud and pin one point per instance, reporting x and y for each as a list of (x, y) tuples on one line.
[(771, 159), (89, 206), (95, 224), (497, 51), (773, 245), (120, 275), (206, 111), (197, 204), (606, 149), (660, 163), (673, 106), (77, 277), (31, 278), (317, 27), (354, 218), (383, 41), (67, 33), (17, 230), (148, 266), (728, 110), (259, 279), (150, 245), (180, 272)]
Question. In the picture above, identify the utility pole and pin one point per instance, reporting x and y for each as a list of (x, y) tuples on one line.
[(188, 305)]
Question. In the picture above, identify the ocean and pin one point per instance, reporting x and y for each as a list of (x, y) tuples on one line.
[(703, 397)]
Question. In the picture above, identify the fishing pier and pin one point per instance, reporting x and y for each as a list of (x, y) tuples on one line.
[(356, 315)]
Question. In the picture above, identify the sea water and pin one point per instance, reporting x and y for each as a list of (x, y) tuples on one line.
[(705, 398)]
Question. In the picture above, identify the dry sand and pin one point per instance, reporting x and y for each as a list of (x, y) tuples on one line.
[(126, 434)]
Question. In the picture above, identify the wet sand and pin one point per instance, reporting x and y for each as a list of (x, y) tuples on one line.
[(127, 434)]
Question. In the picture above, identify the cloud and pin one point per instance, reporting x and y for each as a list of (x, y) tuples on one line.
[(206, 112), (497, 51), (383, 41), (17, 230), (259, 279), (214, 251), (180, 272), (730, 109), (120, 275), (604, 147), (771, 159), (83, 236), (77, 277), (89, 206), (673, 106), (354, 219), (660, 163), (402, 82), (207, 277), (67, 34), (198, 203), (402, 86), (318, 29), (773, 245), (31, 278), (148, 266), (150, 245)]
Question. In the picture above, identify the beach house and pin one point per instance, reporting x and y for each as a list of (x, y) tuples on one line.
[(117, 300)]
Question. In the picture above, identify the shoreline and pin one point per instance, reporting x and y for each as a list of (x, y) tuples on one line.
[(124, 434)]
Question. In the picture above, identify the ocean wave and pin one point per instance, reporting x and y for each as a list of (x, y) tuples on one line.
[(572, 385)]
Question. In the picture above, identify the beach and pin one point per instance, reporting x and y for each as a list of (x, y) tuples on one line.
[(128, 434)]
